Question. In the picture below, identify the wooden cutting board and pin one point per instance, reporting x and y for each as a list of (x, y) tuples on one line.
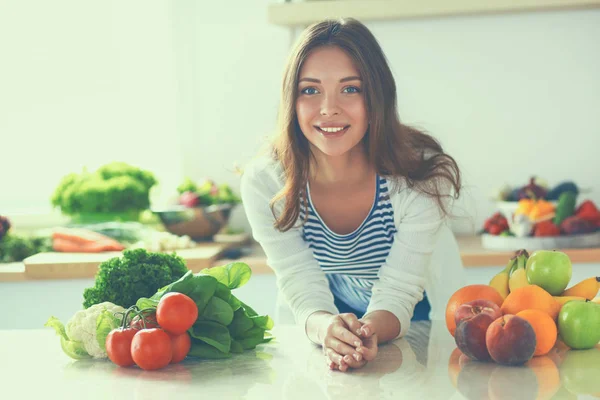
[(85, 265)]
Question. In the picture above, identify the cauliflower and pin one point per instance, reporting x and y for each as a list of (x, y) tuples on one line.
[(86, 331), (82, 327)]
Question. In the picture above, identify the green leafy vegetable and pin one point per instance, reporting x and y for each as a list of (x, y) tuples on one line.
[(202, 350), (72, 348), (225, 324), (219, 311), (114, 188), (234, 275), (212, 333), (136, 274), (105, 323)]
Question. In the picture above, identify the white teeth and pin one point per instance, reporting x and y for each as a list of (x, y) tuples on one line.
[(332, 130)]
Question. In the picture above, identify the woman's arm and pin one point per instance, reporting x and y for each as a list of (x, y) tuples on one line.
[(299, 276), (402, 277)]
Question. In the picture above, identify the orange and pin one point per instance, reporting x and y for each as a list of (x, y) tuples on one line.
[(544, 328), (530, 297), (466, 294)]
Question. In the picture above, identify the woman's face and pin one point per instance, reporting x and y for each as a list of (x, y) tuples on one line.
[(330, 105)]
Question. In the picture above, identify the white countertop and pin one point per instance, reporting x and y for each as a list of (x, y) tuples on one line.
[(420, 366)]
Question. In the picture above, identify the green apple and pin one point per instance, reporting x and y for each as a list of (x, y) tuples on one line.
[(579, 324), (580, 370), (549, 269)]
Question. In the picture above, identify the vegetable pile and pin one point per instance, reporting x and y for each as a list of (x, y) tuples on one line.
[(195, 316), (225, 325), (114, 188)]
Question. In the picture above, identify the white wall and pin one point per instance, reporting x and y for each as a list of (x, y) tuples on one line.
[(231, 64), (83, 83)]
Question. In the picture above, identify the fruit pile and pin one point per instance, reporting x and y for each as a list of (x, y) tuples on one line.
[(525, 311), (541, 212)]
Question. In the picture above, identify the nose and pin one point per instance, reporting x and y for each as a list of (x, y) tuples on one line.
[(329, 106)]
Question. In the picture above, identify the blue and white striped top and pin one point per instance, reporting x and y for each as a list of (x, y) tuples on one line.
[(351, 262)]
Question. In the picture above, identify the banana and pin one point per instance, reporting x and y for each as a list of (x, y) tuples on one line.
[(587, 288), (518, 274), (564, 299), (500, 280)]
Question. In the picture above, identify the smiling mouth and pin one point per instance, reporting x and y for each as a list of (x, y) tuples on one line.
[(330, 131)]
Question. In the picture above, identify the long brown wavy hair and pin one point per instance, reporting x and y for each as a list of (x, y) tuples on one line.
[(397, 151)]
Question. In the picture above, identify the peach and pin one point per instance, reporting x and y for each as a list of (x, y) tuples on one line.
[(470, 336), (472, 308), (510, 340)]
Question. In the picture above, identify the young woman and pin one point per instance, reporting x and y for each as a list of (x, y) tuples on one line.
[(350, 204)]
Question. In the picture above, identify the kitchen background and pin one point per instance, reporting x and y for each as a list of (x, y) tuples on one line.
[(191, 88)]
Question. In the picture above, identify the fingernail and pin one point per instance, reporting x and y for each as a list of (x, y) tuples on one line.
[(359, 349), (357, 357), (357, 343), (348, 359), (358, 331), (365, 330)]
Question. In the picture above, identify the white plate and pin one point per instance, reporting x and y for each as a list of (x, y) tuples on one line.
[(494, 242)]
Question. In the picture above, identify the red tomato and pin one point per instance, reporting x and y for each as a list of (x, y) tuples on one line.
[(150, 318), (176, 312), (181, 345), (118, 346), (151, 349)]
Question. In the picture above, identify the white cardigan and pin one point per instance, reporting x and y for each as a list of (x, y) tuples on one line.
[(424, 255)]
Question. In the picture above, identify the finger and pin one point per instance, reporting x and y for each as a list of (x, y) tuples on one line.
[(353, 362), (367, 330), (339, 346), (335, 357), (352, 322), (342, 333), (369, 350)]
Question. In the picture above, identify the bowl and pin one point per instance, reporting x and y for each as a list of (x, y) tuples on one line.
[(199, 223)]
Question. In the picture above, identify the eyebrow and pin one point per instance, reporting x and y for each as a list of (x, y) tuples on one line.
[(346, 79)]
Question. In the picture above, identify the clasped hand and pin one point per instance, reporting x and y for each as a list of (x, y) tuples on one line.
[(348, 342)]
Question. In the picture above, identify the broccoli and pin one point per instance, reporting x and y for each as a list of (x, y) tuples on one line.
[(114, 188), (138, 273)]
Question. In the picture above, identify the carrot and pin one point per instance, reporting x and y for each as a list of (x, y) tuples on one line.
[(68, 246), (84, 236)]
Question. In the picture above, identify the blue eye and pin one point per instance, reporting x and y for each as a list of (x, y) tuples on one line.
[(351, 89), (309, 91)]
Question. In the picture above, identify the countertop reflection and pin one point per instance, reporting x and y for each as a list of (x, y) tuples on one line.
[(423, 365)]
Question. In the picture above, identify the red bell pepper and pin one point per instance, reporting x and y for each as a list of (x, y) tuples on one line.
[(588, 211)]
